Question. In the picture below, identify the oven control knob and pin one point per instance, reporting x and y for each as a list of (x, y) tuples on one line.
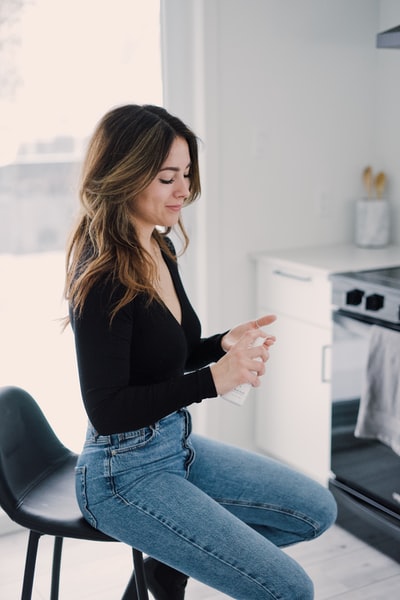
[(374, 302), (354, 297)]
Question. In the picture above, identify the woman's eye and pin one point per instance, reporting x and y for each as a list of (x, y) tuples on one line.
[(169, 181)]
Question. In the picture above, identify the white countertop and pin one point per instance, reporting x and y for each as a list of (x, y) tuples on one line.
[(334, 259)]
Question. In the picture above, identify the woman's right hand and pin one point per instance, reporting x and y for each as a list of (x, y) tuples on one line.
[(243, 363)]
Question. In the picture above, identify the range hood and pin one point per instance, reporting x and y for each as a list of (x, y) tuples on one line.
[(389, 38)]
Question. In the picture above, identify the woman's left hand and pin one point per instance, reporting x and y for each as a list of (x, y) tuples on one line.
[(233, 336)]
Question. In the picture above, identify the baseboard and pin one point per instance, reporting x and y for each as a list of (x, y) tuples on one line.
[(6, 525)]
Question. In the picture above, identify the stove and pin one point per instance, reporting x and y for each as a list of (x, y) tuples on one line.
[(365, 471), (372, 294)]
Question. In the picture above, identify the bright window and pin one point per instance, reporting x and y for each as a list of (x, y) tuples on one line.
[(63, 64)]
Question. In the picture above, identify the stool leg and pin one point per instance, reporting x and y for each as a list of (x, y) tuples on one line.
[(141, 586), (55, 573), (30, 563)]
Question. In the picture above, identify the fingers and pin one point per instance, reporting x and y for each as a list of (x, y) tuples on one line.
[(252, 373), (251, 337), (264, 320), (240, 365), (259, 369), (249, 346), (269, 340), (244, 361), (259, 353), (256, 371), (248, 339)]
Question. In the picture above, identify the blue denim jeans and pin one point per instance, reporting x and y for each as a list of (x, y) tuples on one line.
[(215, 512)]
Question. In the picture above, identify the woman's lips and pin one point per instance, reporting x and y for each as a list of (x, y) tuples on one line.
[(174, 207)]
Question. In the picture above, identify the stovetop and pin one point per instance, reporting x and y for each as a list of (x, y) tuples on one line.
[(373, 294), (389, 278)]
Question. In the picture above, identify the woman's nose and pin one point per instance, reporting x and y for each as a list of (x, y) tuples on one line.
[(183, 187)]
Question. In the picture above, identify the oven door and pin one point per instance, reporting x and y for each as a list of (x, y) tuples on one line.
[(366, 473), (349, 356)]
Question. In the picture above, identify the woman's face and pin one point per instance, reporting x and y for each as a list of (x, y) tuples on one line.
[(161, 202)]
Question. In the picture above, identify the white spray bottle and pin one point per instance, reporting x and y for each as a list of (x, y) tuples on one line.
[(239, 394)]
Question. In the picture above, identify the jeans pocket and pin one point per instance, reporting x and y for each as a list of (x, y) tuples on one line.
[(134, 455), (134, 440), (81, 494)]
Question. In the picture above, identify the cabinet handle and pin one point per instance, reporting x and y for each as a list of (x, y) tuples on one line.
[(304, 278), (325, 365)]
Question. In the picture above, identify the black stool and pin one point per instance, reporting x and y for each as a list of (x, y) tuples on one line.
[(37, 487)]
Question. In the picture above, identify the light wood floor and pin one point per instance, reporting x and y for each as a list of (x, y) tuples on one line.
[(341, 566)]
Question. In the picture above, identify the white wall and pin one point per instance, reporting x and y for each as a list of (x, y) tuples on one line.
[(293, 100), (387, 90)]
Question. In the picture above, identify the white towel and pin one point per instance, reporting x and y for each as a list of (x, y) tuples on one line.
[(379, 412)]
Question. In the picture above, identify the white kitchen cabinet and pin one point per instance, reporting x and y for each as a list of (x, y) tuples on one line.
[(293, 404)]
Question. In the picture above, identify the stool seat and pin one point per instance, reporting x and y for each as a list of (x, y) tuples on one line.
[(51, 507)]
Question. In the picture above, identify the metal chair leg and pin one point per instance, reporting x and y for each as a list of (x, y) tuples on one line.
[(30, 563), (55, 573), (138, 564)]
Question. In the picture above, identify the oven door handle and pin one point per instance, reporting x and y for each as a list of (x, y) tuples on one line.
[(326, 363)]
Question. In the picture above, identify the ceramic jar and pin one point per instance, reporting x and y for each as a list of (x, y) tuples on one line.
[(372, 223)]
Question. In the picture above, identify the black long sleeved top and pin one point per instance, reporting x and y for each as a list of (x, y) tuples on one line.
[(145, 364)]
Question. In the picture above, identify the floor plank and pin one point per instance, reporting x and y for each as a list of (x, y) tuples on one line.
[(341, 566)]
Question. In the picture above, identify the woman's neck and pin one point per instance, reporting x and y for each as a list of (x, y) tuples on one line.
[(147, 241)]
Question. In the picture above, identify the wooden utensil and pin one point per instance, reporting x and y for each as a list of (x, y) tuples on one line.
[(380, 182), (367, 179)]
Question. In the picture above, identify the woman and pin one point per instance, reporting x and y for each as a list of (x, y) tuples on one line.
[(197, 507)]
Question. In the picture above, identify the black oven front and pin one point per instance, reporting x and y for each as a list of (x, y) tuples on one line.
[(365, 476)]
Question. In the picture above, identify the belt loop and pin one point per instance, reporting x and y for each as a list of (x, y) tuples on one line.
[(93, 432)]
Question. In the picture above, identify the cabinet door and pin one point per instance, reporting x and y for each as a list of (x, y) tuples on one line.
[(303, 292), (293, 402)]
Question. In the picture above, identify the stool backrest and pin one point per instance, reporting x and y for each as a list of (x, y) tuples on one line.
[(29, 448)]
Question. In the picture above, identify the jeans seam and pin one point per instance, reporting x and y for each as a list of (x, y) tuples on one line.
[(300, 516), (195, 544), (81, 481)]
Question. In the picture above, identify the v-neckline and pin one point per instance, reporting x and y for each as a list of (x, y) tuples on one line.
[(167, 264)]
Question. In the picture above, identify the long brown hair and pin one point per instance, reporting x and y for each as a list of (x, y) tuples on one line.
[(125, 153)]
